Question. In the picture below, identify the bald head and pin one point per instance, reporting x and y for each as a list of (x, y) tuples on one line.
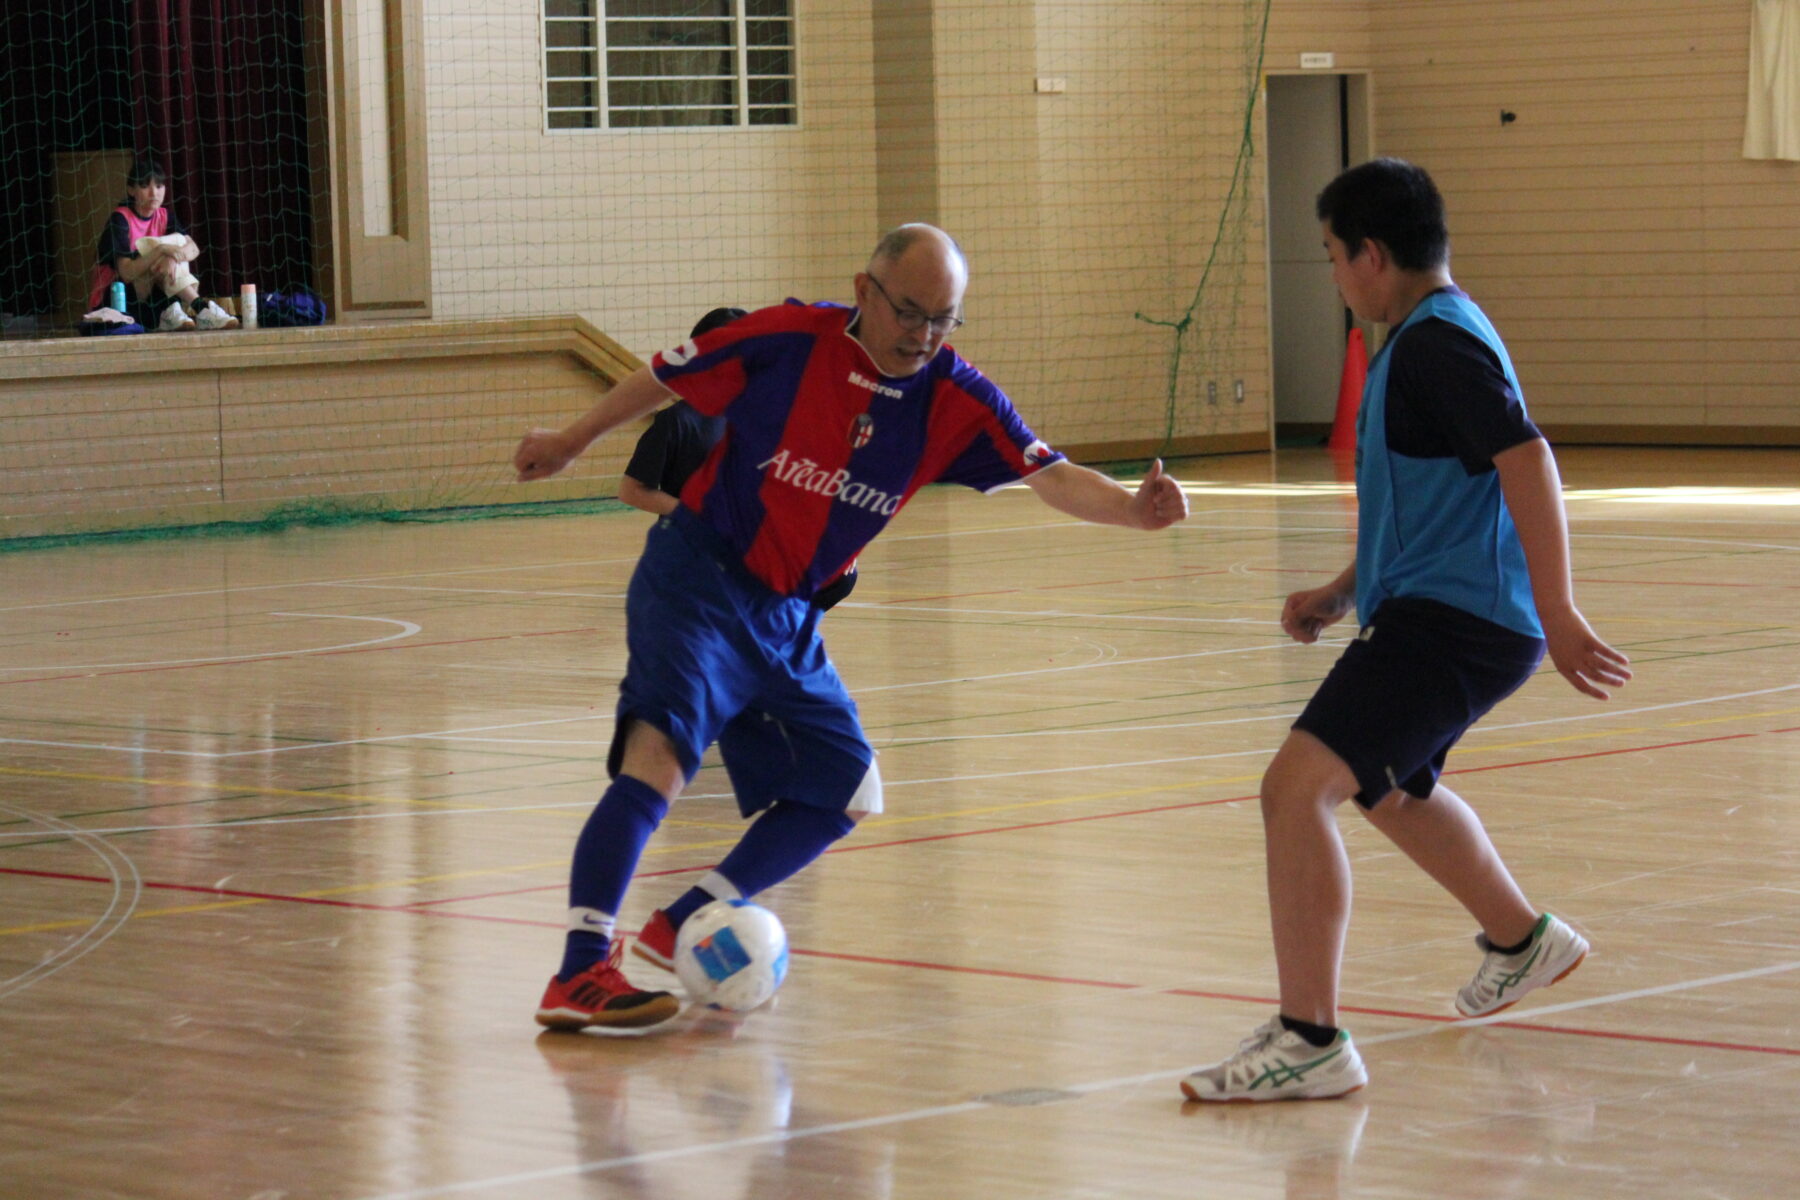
[(928, 241)]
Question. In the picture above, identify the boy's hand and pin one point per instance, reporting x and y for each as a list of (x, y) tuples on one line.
[(1306, 614), (1584, 660)]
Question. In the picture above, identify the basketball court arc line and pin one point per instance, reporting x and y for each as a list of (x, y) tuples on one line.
[(407, 629), (119, 906), (512, 1181)]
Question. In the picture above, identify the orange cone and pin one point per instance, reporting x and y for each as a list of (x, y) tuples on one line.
[(1350, 389)]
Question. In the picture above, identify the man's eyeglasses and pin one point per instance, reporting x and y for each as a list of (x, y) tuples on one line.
[(911, 319)]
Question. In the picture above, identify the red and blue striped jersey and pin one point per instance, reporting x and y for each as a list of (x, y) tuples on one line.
[(821, 449)]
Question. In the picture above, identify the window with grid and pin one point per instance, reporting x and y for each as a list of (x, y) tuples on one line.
[(623, 64)]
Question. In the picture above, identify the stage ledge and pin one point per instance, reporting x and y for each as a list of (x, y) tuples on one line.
[(102, 434), (240, 349)]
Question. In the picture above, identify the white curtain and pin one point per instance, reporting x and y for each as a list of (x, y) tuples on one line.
[(1772, 125)]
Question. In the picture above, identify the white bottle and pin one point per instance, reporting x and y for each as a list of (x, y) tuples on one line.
[(247, 306)]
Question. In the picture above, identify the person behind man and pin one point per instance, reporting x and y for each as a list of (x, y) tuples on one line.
[(675, 445), (835, 417), (147, 247), (1461, 577)]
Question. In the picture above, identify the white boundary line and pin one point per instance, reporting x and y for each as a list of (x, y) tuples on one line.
[(783, 1136)]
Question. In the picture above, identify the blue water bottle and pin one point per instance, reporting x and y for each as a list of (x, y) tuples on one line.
[(115, 296)]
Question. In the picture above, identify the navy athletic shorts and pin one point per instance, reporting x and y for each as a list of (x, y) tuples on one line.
[(1414, 680), (714, 655)]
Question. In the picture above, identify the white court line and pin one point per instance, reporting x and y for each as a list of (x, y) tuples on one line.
[(407, 629), (119, 906), (1093, 1087), (1106, 662), (463, 733), (889, 783)]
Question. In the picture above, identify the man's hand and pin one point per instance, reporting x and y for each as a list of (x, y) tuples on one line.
[(1307, 613), (541, 454), (1159, 502), (1582, 658)]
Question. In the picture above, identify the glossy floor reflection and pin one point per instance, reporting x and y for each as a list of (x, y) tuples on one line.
[(284, 823)]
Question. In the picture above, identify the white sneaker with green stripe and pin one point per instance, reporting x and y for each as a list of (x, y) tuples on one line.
[(1276, 1064), (1503, 979)]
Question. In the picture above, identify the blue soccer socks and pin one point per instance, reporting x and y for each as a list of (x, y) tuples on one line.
[(606, 854)]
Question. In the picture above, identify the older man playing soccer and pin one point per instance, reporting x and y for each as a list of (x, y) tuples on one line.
[(834, 418)]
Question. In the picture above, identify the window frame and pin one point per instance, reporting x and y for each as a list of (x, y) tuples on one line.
[(601, 111)]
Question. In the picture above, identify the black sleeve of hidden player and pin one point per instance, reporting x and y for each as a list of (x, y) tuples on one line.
[(1448, 397), (651, 455)]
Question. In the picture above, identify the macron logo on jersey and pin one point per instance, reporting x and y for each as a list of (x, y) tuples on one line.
[(809, 476), (880, 389)]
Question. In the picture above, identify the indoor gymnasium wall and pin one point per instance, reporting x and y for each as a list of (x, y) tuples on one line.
[(1079, 210), (1095, 211), (639, 231), (1640, 268)]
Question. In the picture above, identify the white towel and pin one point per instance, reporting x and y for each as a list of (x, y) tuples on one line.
[(183, 278)]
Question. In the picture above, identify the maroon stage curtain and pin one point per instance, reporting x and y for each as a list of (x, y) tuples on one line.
[(220, 101)]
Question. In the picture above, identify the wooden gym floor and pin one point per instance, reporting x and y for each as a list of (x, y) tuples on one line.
[(286, 823)]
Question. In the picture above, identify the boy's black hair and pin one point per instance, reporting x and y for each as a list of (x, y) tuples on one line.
[(145, 169), (1394, 202), (716, 318)]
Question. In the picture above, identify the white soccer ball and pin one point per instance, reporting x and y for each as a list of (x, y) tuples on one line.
[(731, 953)]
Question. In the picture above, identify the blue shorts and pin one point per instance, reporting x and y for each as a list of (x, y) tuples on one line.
[(716, 656), (1412, 683)]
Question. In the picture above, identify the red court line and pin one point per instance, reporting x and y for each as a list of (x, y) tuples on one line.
[(987, 972), (422, 908), (238, 662)]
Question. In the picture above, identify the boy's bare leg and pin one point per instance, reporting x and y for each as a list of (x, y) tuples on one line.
[(1309, 873), (1446, 839)]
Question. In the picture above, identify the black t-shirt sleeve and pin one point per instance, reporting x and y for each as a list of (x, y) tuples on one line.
[(651, 454), (1448, 396), (115, 241)]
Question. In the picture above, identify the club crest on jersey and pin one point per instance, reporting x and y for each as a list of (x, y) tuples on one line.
[(861, 430), (679, 356), (1038, 453)]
